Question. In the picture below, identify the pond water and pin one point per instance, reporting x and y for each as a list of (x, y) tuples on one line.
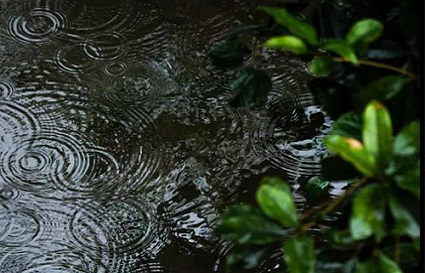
[(118, 150)]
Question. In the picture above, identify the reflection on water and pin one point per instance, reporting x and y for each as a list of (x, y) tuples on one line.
[(118, 149)]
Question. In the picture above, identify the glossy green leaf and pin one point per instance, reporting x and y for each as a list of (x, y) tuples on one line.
[(299, 254), (247, 225), (252, 87), (380, 264), (349, 125), (287, 42), (407, 142), (321, 66), (377, 132), (341, 48), (247, 256), (229, 53), (353, 151), (275, 199), (317, 187), (368, 213), (405, 224), (293, 24), (364, 32), (381, 89), (408, 178)]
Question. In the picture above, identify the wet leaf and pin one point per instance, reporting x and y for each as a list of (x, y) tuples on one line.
[(275, 198), (252, 87), (229, 53), (377, 132), (340, 239), (321, 66), (287, 42), (408, 178), (349, 125), (364, 32), (368, 213), (245, 29), (405, 224), (382, 89), (407, 142), (247, 256), (293, 24), (299, 254), (353, 151), (341, 48), (380, 264), (317, 187), (247, 225)]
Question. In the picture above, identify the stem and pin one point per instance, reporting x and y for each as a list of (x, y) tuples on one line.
[(380, 65)]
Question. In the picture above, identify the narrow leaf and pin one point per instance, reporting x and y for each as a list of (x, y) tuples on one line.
[(299, 254), (321, 66), (293, 24), (368, 213), (364, 32), (287, 42), (353, 151), (377, 132), (341, 48), (276, 200)]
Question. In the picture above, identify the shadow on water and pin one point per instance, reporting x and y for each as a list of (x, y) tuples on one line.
[(118, 149)]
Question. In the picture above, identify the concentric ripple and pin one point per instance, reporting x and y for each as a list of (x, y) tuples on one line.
[(18, 227), (126, 225), (37, 26), (72, 58), (106, 46), (7, 88)]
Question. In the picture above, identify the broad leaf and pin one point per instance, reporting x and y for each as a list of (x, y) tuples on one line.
[(275, 199), (341, 48), (407, 142), (377, 132), (321, 66), (368, 213), (317, 187), (408, 178), (247, 225), (353, 151), (349, 125), (299, 254), (364, 32), (248, 256), (382, 89), (287, 42), (293, 24), (380, 264), (252, 87), (229, 53), (405, 224)]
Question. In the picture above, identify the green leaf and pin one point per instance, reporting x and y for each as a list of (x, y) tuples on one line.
[(407, 142), (377, 132), (348, 125), (229, 53), (287, 42), (353, 151), (245, 29), (317, 187), (293, 24), (405, 224), (380, 264), (341, 48), (408, 178), (275, 199), (368, 213), (252, 87), (247, 256), (364, 32), (247, 225), (299, 254), (321, 66), (382, 89)]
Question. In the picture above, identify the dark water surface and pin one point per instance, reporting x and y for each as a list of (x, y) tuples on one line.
[(118, 150)]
